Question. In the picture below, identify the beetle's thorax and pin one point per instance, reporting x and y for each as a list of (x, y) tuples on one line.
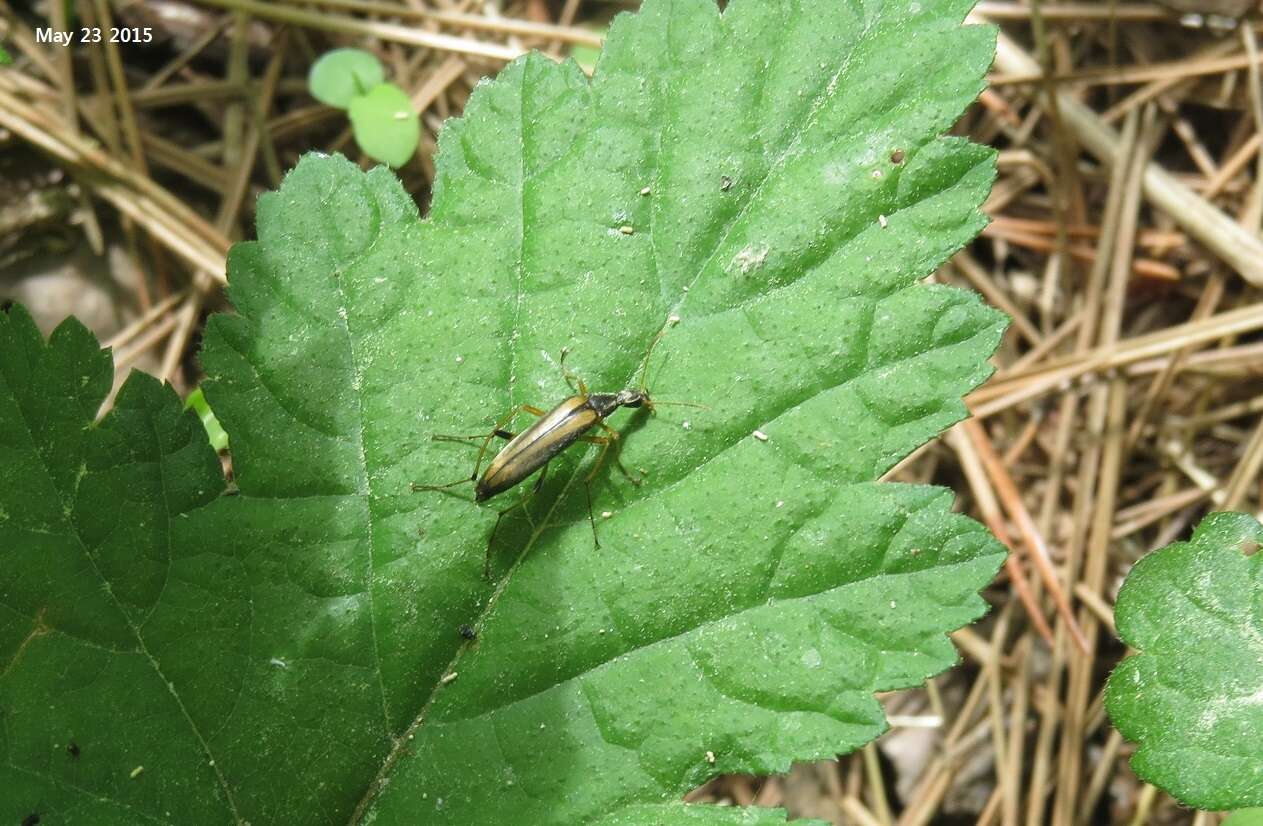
[(606, 403)]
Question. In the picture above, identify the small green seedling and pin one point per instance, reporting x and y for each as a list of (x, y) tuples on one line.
[(214, 431), (386, 127)]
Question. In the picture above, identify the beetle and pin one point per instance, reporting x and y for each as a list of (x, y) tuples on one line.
[(554, 431)]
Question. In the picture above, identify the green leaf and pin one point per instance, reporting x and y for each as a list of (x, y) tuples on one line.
[(5, 58), (1245, 817), (774, 178), (1192, 698), (341, 75), (386, 127)]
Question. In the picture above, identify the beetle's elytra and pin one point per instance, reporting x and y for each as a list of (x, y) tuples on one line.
[(552, 433)]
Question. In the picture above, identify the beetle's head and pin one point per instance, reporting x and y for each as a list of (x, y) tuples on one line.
[(634, 398)]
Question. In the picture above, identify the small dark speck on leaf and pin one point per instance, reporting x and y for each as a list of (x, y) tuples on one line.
[(468, 633), (896, 157), (73, 749), (30, 820), (725, 183)]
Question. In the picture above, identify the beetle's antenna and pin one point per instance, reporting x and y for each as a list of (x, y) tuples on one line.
[(682, 404), (661, 366), (644, 367)]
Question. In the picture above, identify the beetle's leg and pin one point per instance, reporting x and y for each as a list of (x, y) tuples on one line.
[(503, 434), (482, 451), (616, 445), (569, 376), (500, 434), (486, 563), (416, 488), (618, 453), (587, 480), (606, 443), (512, 414), (520, 503), (535, 488), (539, 483)]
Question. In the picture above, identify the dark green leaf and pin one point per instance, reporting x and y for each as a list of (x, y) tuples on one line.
[(116, 624)]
